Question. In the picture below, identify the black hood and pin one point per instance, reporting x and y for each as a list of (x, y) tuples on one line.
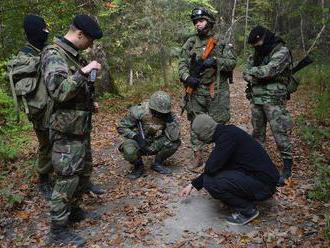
[(34, 27)]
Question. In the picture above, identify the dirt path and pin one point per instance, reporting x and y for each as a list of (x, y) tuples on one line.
[(149, 213)]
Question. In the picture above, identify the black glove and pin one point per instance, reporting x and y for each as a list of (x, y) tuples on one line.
[(192, 82), (209, 62), (142, 143)]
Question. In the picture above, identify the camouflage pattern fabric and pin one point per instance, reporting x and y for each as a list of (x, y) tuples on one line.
[(267, 83), (44, 165), (280, 124), (267, 92), (163, 138), (70, 127), (218, 107)]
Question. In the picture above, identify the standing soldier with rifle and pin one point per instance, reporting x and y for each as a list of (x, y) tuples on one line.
[(66, 77), (205, 68), (270, 82)]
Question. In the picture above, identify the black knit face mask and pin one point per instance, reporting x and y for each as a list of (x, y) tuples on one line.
[(35, 30)]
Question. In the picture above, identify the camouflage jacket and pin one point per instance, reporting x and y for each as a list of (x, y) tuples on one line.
[(267, 83), (67, 87), (153, 127), (224, 54)]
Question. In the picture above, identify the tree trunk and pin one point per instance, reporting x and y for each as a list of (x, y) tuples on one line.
[(246, 24)]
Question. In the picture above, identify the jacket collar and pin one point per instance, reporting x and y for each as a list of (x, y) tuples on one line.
[(66, 46)]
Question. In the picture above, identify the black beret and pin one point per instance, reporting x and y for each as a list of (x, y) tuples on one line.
[(88, 25), (256, 34)]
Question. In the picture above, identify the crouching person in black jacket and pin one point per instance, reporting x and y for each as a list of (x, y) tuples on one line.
[(239, 171)]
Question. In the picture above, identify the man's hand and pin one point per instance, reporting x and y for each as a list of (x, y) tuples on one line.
[(91, 66), (96, 107), (186, 191), (247, 77), (192, 82), (209, 62)]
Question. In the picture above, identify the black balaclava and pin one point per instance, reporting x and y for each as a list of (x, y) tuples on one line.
[(270, 41), (34, 27)]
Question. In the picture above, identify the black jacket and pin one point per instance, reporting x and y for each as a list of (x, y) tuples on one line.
[(237, 150)]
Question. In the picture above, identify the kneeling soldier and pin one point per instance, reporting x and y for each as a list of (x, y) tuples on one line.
[(238, 172), (150, 128)]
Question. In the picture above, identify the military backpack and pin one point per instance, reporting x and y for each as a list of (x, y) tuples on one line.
[(28, 90)]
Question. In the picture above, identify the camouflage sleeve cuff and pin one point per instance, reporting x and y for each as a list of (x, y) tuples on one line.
[(79, 78)]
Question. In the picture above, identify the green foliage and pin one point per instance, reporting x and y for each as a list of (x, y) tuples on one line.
[(11, 138), (316, 136), (317, 77), (9, 196), (327, 226), (321, 190)]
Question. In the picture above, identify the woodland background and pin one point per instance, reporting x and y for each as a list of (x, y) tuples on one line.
[(139, 51)]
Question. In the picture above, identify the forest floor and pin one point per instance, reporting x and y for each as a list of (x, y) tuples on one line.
[(148, 212)]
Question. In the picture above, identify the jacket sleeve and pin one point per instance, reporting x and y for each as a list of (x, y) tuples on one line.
[(61, 86), (127, 126), (184, 60), (227, 58), (198, 182), (279, 61), (172, 130), (225, 146)]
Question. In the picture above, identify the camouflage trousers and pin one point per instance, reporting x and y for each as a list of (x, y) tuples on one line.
[(217, 107), (72, 162), (44, 165), (280, 123), (162, 147)]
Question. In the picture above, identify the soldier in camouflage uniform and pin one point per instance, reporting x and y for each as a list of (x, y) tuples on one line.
[(267, 74), (206, 75), (36, 33), (66, 78), (150, 129)]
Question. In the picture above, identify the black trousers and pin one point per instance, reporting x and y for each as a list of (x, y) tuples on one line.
[(237, 189)]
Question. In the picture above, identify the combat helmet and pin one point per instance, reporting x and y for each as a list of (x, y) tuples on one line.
[(202, 13), (160, 101)]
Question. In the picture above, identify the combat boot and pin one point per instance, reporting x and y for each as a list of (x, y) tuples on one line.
[(61, 235), (137, 171), (97, 190), (44, 186), (77, 214), (160, 168), (286, 172), (198, 160)]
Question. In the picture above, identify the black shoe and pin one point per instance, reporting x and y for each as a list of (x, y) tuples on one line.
[(97, 190), (45, 187), (240, 219), (161, 168), (137, 171), (77, 214), (61, 235)]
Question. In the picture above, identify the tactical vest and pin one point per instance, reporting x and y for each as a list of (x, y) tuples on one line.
[(72, 117), (210, 75), (273, 91), (27, 85)]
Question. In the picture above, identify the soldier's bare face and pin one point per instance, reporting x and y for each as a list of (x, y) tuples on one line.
[(85, 41), (200, 24)]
